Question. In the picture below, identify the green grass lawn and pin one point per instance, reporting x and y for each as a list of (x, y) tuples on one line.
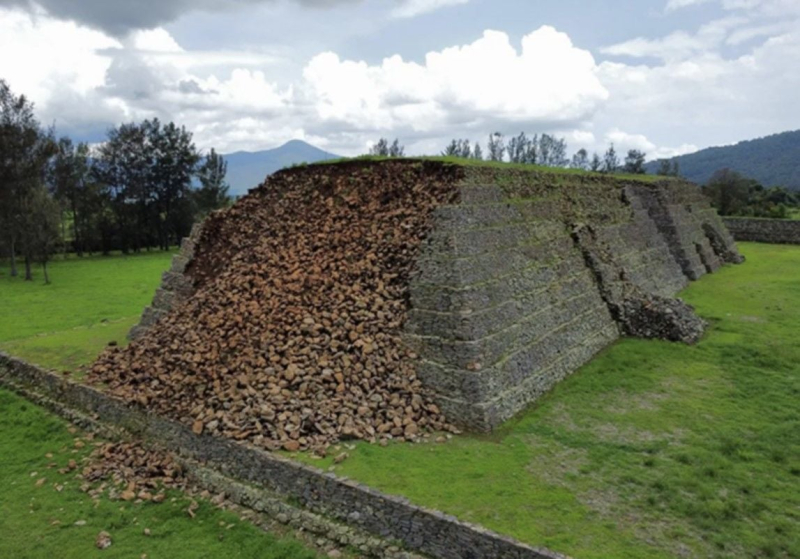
[(43, 522), (90, 302), (653, 450)]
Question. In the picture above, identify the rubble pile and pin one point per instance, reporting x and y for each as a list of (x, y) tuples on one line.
[(130, 472), (292, 337)]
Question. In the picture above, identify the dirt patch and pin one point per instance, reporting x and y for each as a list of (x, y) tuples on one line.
[(625, 402), (555, 465)]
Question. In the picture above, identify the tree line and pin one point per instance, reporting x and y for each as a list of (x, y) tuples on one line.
[(540, 149), (732, 193), (141, 189)]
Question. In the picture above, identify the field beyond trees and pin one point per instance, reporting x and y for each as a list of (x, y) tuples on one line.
[(653, 450), (91, 301)]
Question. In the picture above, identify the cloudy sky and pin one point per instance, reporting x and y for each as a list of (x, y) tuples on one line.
[(665, 76)]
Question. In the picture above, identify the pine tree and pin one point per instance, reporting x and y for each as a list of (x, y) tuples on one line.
[(496, 147), (397, 150), (634, 162), (610, 160), (24, 152), (596, 163), (213, 192), (452, 149)]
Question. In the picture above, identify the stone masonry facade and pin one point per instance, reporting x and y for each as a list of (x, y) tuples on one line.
[(175, 286), (531, 274)]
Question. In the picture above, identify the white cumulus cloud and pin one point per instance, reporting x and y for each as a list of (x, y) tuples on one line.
[(548, 80), (42, 55), (623, 141)]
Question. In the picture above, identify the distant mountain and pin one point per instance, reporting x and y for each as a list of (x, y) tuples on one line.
[(247, 170), (772, 161)]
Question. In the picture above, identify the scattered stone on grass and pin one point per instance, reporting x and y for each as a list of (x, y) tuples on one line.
[(103, 540), (130, 472)]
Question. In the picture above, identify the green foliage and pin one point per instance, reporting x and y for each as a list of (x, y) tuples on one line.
[(653, 450), (496, 147), (552, 151), (24, 151), (134, 193), (47, 522), (581, 160), (148, 170), (521, 149), (384, 149), (734, 194), (459, 148), (596, 163), (668, 168), (499, 165), (634, 162), (83, 199), (41, 229), (213, 192), (544, 150), (610, 160)]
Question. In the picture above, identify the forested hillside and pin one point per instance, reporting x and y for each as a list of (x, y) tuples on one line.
[(772, 161)]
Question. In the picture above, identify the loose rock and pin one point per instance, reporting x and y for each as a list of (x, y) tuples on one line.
[(103, 540), (292, 338)]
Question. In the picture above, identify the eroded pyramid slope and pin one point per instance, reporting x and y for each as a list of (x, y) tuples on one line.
[(380, 299)]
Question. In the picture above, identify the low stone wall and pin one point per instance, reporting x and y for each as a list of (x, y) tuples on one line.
[(388, 517), (777, 231)]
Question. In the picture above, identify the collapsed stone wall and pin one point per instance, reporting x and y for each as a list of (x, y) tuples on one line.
[(291, 335), (520, 276), (777, 231)]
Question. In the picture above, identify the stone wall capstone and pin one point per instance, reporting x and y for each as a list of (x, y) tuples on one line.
[(776, 231)]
